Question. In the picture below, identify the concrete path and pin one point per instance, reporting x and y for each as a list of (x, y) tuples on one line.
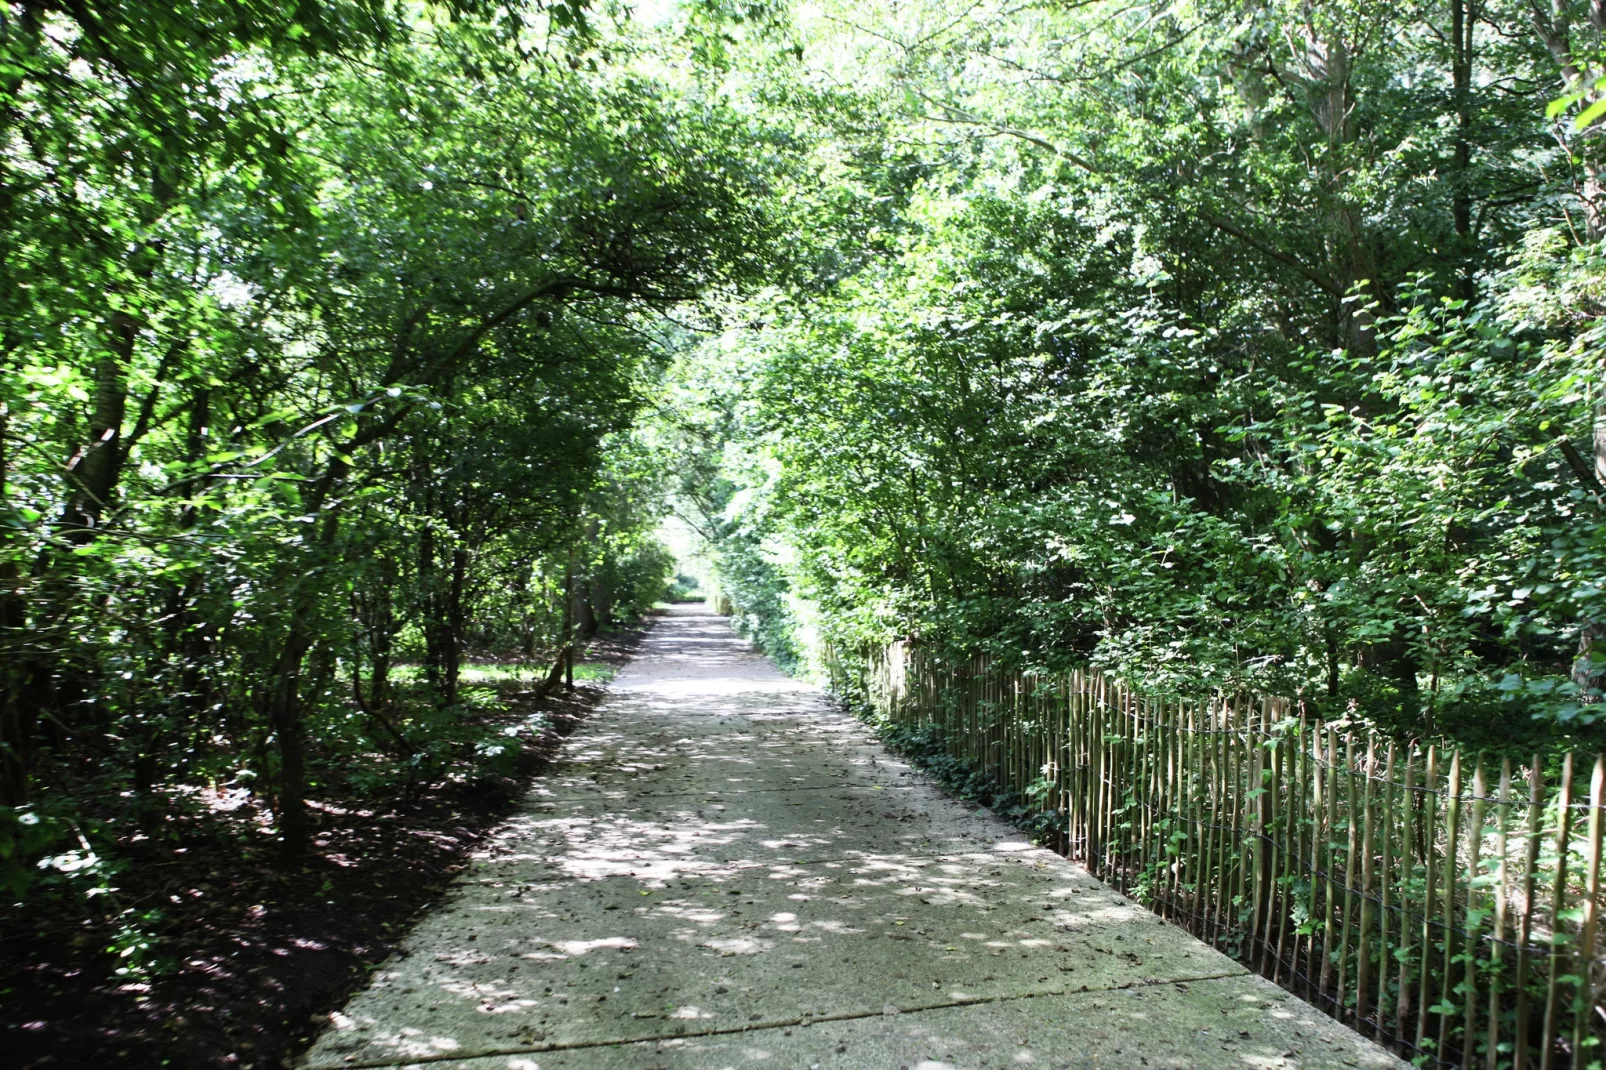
[(725, 872)]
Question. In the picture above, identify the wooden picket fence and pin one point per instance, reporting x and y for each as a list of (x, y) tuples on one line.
[(1445, 905)]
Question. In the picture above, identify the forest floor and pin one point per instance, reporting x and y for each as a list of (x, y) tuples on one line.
[(258, 955), (723, 869)]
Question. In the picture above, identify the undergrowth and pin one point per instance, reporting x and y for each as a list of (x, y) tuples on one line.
[(926, 746)]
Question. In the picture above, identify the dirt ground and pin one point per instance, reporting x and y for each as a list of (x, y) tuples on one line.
[(260, 954)]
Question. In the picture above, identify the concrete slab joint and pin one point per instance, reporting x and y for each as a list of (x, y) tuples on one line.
[(724, 871)]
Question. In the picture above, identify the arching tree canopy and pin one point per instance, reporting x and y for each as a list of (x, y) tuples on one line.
[(348, 344), (1220, 344)]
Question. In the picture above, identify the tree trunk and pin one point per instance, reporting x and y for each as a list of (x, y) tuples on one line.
[(289, 732), (587, 612), (1330, 635), (16, 716), (185, 636), (1554, 28), (602, 602), (286, 703), (1600, 445), (1405, 667), (429, 603), (381, 628), (1588, 673), (93, 473), (568, 624), (453, 651), (1463, 21), (1328, 67)]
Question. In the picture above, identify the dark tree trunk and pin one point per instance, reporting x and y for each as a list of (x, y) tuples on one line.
[(195, 645), (184, 645), (1463, 20), (287, 700), (1589, 674), (1405, 667), (289, 730), (567, 629), (16, 714), (380, 624), (1330, 635), (93, 473), (587, 613), (429, 598), (455, 618), (602, 602)]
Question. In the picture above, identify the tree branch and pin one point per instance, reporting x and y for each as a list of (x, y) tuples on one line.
[(1271, 252), (1582, 470)]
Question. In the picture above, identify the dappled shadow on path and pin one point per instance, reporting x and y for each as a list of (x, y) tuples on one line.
[(724, 852)]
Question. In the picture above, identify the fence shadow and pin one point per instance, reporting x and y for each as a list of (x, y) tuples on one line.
[(1445, 907)]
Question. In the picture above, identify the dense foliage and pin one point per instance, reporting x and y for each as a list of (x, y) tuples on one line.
[(1221, 344), (325, 333)]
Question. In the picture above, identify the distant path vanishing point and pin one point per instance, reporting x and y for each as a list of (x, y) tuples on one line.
[(724, 871)]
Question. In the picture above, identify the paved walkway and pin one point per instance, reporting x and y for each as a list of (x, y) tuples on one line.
[(725, 872)]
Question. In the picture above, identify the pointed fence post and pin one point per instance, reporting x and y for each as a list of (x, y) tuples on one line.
[(1229, 817)]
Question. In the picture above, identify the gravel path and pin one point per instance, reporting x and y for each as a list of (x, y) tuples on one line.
[(726, 872)]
